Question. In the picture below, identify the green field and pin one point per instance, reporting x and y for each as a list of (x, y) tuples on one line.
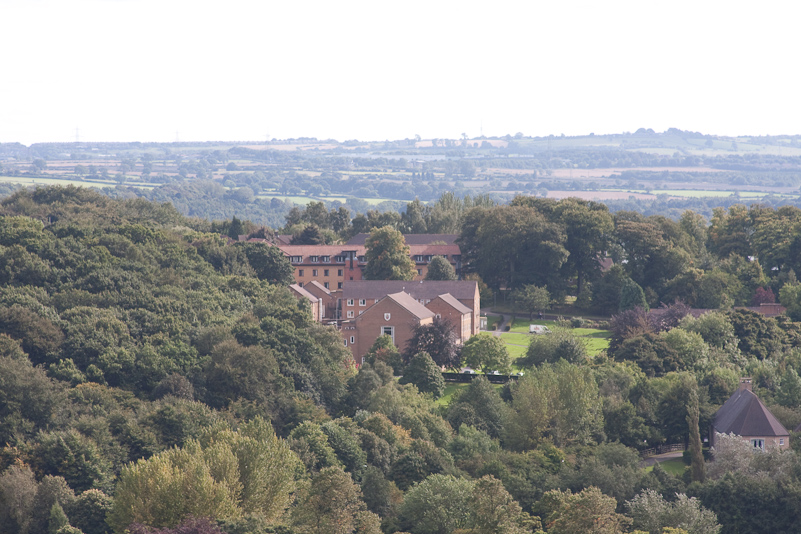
[(517, 340), (27, 181)]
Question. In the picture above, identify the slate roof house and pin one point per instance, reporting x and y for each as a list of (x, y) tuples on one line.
[(744, 415)]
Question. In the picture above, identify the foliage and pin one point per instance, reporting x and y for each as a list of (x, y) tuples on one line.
[(425, 374), (441, 503), (559, 344), (486, 352), (387, 256), (589, 511), (652, 513), (440, 268), (438, 340), (532, 298)]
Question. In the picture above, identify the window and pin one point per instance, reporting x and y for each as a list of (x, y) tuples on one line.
[(339, 285), (419, 271), (314, 272), (339, 259), (781, 441), (388, 331), (296, 259), (300, 272), (350, 302), (339, 272), (352, 339), (758, 443), (350, 314), (362, 302), (361, 259), (325, 272), (326, 285), (326, 259), (439, 316), (300, 284), (418, 258), (346, 342), (314, 259)]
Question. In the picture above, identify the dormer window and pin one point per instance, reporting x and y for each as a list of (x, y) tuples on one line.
[(361, 259), (314, 259), (296, 259), (339, 259)]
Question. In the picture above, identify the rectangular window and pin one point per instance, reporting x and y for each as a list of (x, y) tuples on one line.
[(326, 285), (362, 302), (339, 259), (350, 314), (339, 272), (781, 441), (339, 285), (419, 271), (758, 443), (326, 259), (300, 272), (388, 331), (296, 259), (325, 272), (314, 272), (350, 302), (346, 342), (300, 284)]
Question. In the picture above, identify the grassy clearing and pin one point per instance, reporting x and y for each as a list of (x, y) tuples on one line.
[(674, 466), (517, 340)]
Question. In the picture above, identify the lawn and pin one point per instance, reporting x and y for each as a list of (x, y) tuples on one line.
[(518, 338), (674, 466)]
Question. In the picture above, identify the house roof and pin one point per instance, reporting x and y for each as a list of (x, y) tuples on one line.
[(319, 250), (412, 306), (411, 239), (425, 289), (434, 250), (303, 293), (455, 304), (745, 415), (319, 286)]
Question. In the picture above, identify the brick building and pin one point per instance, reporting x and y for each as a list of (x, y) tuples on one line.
[(359, 295), (395, 315), (315, 303)]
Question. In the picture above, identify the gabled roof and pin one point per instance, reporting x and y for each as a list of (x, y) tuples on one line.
[(319, 250), (318, 285), (453, 303), (411, 239), (303, 293), (745, 415), (412, 306), (424, 289), (434, 250)]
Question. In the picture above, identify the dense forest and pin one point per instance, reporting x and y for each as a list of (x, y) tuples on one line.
[(153, 376)]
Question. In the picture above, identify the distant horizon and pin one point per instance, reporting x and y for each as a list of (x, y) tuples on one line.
[(340, 141)]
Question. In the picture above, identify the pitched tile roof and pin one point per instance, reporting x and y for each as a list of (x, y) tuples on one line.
[(455, 304), (319, 286), (411, 239), (745, 415), (434, 250), (411, 305), (303, 293), (319, 250), (425, 289)]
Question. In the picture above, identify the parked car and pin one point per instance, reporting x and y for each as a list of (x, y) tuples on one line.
[(538, 329)]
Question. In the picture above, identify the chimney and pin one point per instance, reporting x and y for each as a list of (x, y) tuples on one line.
[(745, 383)]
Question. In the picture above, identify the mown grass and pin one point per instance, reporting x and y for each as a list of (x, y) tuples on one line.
[(674, 466)]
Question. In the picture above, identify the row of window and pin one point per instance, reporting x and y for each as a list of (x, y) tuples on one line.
[(315, 272), (321, 259), (420, 258), (325, 285)]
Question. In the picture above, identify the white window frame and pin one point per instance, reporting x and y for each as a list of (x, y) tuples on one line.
[(391, 332), (314, 259), (350, 314), (296, 259), (758, 443), (352, 339), (326, 259), (350, 302), (362, 302)]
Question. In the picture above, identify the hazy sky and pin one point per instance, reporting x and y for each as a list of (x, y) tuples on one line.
[(154, 70)]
